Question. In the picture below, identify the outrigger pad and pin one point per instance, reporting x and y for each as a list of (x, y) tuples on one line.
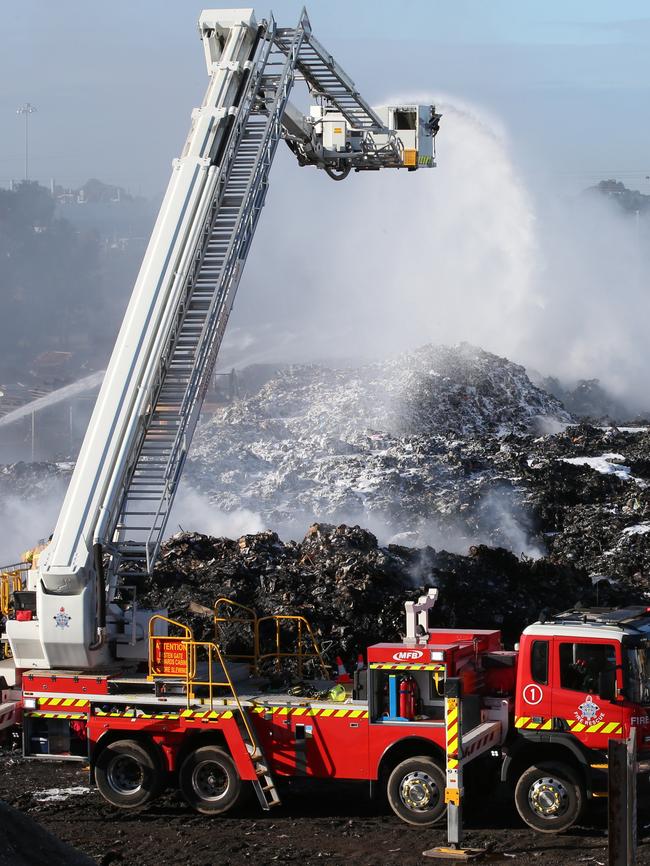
[(459, 854)]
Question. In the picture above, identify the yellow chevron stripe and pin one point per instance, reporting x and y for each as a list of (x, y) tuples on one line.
[(53, 702), (186, 713), (300, 711), (355, 714), (227, 715), (339, 714), (610, 727), (452, 763), (521, 721), (68, 702), (452, 746), (327, 712), (82, 703), (548, 724), (452, 730), (593, 729)]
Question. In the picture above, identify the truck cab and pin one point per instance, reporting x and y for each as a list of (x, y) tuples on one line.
[(583, 678)]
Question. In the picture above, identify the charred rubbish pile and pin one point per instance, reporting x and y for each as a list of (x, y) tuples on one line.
[(351, 589)]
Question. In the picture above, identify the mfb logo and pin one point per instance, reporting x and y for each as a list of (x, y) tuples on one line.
[(408, 655)]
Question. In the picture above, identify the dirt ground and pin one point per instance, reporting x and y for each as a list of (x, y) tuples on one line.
[(317, 823)]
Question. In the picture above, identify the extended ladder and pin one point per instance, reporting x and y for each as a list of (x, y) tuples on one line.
[(195, 337)]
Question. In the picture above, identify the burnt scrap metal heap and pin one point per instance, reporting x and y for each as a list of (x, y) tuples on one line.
[(351, 589)]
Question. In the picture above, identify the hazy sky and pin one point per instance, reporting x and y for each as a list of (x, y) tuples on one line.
[(114, 83)]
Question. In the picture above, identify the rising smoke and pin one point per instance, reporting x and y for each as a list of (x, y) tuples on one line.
[(472, 250)]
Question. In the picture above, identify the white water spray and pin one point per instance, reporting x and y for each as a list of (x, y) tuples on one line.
[(88, 383)]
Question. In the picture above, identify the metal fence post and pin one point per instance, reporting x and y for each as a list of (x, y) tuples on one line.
[(454, 770), (621, 824)]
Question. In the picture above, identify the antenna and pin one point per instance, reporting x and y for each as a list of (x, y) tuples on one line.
[(26, 110)]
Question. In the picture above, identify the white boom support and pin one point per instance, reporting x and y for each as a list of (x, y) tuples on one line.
[(115, 511)]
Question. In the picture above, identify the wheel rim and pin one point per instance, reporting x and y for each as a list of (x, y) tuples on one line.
[(210, 781), (419, 792), (548, 798), (125, 774)]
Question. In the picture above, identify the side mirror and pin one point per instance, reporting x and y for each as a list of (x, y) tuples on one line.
[(607, 685)]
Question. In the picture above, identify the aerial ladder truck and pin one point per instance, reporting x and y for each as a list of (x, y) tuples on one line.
[(99, 679)]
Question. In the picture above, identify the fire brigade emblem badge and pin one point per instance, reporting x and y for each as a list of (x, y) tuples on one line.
[(588, 713), (62, 619)]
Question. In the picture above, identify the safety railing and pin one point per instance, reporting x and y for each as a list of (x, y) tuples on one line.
[(304, 644), (170, 655), (301, 653), (225, 614), (212, 654), (10, 582), (181, 657)]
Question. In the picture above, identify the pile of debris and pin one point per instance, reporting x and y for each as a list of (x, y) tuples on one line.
[(399, 446), (351, 589)]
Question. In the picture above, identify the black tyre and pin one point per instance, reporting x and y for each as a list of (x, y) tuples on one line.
[(128, 774), (550, 798), (209, 780), (416, 791)]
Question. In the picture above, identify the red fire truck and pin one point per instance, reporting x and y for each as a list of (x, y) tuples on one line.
[(100, 679), (210, 723)]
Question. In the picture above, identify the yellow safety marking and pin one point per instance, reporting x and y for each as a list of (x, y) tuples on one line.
[(299, 711), (355, 714), (284, 711), (452, 763), (403, 667), (68, 702), (227, 714), (452, 746), (578, 727), (200, 715), (610, 727), (327, 712), (533, 726), (340, 713), (53, 702), (452, 795), (593, 729), (522, 721), (313, 712), (186, 713), (213, 715), (548, 724)]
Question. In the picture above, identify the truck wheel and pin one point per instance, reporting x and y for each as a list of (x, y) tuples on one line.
[(128, 774), (416, 791), (209, 780), (550, 797)]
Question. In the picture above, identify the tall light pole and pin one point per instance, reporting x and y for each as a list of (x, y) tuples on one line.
[(26, 110)]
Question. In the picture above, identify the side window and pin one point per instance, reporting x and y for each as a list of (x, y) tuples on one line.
[(539, 662), (581, 664)]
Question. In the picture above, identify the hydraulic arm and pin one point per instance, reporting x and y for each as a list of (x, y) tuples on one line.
[(78, 610)]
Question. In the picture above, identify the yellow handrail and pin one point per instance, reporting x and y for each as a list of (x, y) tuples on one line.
[(191, 681), (250, 620), (279, 653), (158, 641), (10, 582)]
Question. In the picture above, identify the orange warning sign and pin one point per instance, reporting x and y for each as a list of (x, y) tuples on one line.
[(169, 657)]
